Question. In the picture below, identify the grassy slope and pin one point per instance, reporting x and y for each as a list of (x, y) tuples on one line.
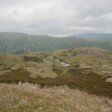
[(9, 60), (89, 82), (32, 98), (88, 79), (98, 60), (33, 63)]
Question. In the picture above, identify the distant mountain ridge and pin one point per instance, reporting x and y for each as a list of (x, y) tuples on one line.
[(19, 42), (98, 36)]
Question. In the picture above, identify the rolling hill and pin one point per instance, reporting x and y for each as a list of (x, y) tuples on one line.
[(17, 43), (88, 69), (97, 36)]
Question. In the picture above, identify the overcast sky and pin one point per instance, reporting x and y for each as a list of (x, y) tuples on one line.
[(55, 17)]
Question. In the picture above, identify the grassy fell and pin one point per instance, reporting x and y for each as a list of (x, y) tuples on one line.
[(91, 82), (88, 71), (31, 98)]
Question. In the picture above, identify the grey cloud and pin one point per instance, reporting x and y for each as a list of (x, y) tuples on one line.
[(56, 17)]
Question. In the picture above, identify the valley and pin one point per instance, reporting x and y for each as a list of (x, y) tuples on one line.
[(77, 79), (55, 55)]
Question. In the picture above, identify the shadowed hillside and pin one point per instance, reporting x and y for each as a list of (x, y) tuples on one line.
[(18, 43)]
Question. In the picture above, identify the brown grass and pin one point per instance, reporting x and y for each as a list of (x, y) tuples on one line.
[(36, 69), (91, 82), (31, 98)]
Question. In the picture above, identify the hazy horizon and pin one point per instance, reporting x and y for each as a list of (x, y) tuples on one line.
[(76, 33)]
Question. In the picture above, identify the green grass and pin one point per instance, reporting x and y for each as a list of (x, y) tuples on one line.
[(1, 62), (33, 59), (58, 70)]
